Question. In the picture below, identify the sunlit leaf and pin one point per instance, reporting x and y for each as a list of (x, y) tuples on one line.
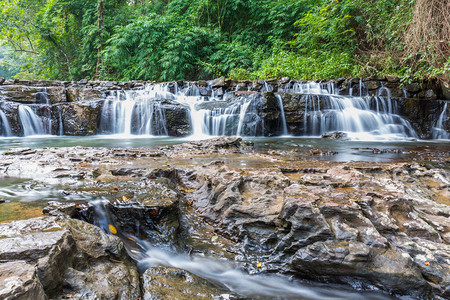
[(112, 229)]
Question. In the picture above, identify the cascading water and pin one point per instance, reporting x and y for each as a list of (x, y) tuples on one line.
[(283, 115), (142, 112), (219, 273), (31, 123), (438, 131), (360, 117), (5, 128), (135, 112)]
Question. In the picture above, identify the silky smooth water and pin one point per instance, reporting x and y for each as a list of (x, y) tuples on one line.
[(347, 150)]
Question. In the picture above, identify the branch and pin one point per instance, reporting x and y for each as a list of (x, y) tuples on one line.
[(25, 50)]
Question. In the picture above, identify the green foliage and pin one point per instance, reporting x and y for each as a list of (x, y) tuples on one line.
[(186, 40)]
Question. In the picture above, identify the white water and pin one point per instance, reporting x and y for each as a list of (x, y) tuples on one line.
[(366, 118), (283, 116), (439, 131), (135, 112), (362, 117), (31, 123), (225, 275), (5, 128), (219, 272)]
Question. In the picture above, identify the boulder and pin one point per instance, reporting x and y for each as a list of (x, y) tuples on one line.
[(64, 258), (177, 120), (351, 225), (336, 135), (19, 280), (78, 118)]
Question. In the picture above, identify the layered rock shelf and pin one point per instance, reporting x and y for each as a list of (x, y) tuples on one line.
[(76, 108)]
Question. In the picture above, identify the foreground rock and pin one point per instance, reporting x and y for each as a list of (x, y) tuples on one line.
[(64, 259), (372, 227)]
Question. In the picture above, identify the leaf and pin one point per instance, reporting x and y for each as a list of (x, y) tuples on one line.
[(258, 264), (214, 238), (112, 229)]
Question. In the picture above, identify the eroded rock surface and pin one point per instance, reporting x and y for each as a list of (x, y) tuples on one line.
[(64, 258), (383, 226)]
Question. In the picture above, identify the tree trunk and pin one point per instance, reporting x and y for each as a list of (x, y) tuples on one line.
[(100, 34)]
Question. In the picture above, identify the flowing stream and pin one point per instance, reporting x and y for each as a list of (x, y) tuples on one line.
[(223, 273)]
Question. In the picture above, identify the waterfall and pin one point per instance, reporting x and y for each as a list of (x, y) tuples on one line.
[(439, 131), (136, 112), (283, 116), (61, 124), (31, 123), (44, 99), (144, 111), (362, 117), (5, 129)]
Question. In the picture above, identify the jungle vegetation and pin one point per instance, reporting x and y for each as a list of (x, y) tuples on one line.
[(165, 40)]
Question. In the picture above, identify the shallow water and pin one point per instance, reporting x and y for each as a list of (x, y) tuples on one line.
[(347, 150)]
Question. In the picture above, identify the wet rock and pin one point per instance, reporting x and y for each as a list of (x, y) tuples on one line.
[(285, 80), (413, 87), (427, 94), (112, 276), (177, 120), (321, 152), (216, 144), (336, 135), (445, 90), (173, 283), (18, 280), (128, 172), (153, 202), (71, 257), (219, 83), (79, 118), (392, 78), (343, 261), (372, 85), (2, 80), (319, 227), (82, 94)]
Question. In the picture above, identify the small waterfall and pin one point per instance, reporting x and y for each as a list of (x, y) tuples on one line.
[(283, 116), (61, 124), (44, 99), (136, 112), (5, 128), (31, 123), (362, 117), (439, 131)]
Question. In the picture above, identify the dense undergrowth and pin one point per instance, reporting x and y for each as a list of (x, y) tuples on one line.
[(166, 40)]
